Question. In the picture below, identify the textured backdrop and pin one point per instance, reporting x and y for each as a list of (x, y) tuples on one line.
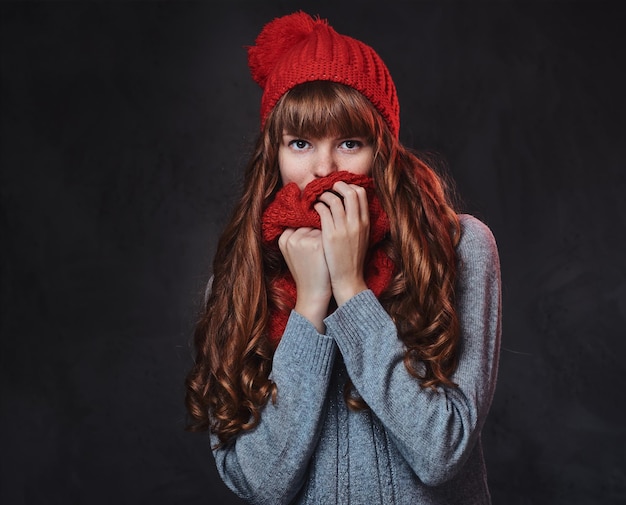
[(124, 130)]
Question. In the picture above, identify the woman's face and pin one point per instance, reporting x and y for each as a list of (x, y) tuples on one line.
[(302, 160)]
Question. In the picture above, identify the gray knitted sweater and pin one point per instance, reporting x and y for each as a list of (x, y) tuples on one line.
[(414, 445)]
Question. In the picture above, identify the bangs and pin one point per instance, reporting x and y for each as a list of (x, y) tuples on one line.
[(321, 108)]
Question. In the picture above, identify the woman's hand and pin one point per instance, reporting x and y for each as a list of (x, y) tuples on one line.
[(345, 223), (304, 253)]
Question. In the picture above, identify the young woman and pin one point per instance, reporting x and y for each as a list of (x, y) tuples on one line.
[(348, 348)]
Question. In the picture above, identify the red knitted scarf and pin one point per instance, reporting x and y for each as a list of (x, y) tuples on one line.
[(292, 208)]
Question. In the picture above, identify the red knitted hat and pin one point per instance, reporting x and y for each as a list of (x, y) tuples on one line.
[(298, 48)]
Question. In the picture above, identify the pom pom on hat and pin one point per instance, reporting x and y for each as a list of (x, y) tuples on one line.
[(298, 48), (276, 38)]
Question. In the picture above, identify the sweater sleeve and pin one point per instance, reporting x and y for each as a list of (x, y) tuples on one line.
[(268, 463), (434, 429)]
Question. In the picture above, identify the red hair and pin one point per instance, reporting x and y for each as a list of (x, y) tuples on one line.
[(228, 384)]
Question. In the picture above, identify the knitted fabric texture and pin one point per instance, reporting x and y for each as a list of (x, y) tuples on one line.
[(298, 48), (292, 208)]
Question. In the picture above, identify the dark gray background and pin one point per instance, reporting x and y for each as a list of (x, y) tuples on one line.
[(124, 130)]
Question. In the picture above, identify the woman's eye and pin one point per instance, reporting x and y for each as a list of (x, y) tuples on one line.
[(299, 144), (351, 144)]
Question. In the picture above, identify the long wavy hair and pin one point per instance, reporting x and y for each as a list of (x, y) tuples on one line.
[(229, 384)]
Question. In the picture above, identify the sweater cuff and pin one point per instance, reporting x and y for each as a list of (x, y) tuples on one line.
[(302, 345), (360, 316)]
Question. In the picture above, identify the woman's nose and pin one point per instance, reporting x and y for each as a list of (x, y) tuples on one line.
[(325, 164)]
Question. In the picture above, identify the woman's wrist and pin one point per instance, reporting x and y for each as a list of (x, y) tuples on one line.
[(343, 293), (315, 312)]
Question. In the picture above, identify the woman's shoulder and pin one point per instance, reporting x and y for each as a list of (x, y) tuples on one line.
[(476, 238)]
